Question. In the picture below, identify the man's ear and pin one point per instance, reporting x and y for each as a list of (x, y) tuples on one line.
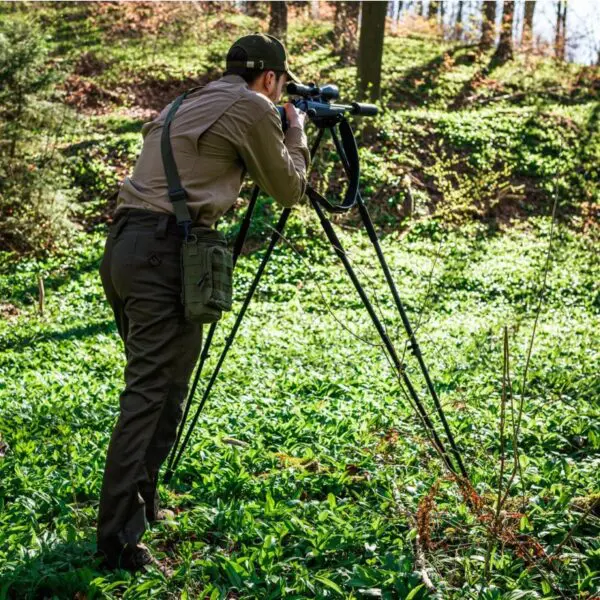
[(270, 82)]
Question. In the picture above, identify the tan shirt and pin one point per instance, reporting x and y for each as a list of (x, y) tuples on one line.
[(219, 133)]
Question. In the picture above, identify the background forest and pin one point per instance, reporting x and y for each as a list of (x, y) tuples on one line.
[(308, 475)]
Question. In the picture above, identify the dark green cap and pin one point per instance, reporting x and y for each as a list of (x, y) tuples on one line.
[(264, 52)]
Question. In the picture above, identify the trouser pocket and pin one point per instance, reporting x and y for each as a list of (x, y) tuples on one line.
[(207, 270)]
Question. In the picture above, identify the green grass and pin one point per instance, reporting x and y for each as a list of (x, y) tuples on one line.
[(322, 501), (266, 519)]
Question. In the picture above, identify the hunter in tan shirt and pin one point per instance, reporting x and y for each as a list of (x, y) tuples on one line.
[(219, 133)]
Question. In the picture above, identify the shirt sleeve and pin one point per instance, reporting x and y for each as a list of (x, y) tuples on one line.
[(276, 163)]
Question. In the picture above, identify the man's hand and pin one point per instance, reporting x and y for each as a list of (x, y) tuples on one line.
[(294, 116)]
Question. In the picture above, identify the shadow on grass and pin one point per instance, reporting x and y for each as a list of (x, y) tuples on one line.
[(414, 87), (63, 570), (132, 126), (469, 89), (20, 342), (27, 294)]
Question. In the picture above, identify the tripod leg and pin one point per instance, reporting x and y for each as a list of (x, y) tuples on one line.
[(274, 238), (237, 249), (414, 346), (338, 248)]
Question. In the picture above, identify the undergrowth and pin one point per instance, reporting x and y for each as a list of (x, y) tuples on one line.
[(308, 475)]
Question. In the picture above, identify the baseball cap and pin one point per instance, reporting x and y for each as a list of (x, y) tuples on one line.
[(264, 52)]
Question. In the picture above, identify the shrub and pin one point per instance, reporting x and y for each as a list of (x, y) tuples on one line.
[(34, 200)]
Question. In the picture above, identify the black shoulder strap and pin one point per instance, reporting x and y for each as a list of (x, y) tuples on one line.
[(177, 195)]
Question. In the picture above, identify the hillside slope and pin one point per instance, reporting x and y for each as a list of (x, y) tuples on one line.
[(308, 475)]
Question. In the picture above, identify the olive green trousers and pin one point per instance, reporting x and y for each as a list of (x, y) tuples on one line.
[(140, 273)]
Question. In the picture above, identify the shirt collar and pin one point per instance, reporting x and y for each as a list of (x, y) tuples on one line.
[(232, 78)]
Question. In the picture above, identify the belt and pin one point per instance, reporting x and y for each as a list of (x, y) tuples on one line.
[(139, 219), (144, 220)]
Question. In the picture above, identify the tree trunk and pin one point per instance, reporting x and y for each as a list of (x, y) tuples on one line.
[(488, 28), (315, 13), (433, 9), (396, 9), (527, 37), (504, 51), (561, 21), (370, 51), (300, 6), (564, 30), (255, 9), (458, 25), (278, 20), (345, 31), (338, 26)]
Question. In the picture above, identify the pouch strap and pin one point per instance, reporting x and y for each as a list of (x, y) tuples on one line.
[(177, 195)]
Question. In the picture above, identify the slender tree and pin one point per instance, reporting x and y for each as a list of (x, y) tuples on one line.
[(488, 27), (504, 51), (528, 21), (315, 13), (433, 9), (300, 5), (278, 20), (399, 9), (255, 8), (560, 29), (458, 24), (370, 49), (345, 30)]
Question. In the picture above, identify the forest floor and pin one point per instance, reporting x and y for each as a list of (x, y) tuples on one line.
[(308, 475)]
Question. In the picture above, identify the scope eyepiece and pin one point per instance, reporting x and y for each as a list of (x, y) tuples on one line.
[(298, 89)]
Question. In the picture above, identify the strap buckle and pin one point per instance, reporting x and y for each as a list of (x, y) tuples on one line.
[(177, 195)]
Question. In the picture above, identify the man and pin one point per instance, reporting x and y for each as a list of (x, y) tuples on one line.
[(220, 132)]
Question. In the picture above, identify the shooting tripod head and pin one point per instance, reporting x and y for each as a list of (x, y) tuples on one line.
[(316, 102)]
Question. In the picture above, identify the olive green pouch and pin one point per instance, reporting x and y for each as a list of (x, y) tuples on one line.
[(207, 274)]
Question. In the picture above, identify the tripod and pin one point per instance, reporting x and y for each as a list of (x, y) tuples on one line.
[(329, 117)]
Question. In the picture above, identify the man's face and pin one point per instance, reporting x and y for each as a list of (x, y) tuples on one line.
[(268, 85)]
